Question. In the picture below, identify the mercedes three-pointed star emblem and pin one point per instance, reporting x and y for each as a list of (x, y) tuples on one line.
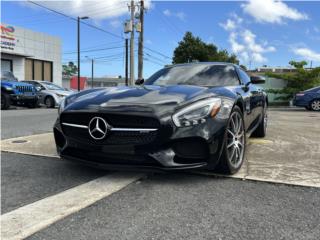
[(98, 128)]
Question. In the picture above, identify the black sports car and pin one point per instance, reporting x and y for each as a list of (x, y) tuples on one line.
[(184, 116)]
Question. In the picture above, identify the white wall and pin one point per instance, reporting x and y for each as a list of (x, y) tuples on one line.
[(35, 45), (18, 65)]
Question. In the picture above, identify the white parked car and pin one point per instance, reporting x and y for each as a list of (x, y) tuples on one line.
[(49, 93)]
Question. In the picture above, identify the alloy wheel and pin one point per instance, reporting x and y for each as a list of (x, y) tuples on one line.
[(315, 105), (235, 140)]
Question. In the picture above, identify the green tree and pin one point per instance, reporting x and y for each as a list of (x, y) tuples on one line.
[(192, 48), (244, 67), (298, 65), (69, 70), (297, 81)]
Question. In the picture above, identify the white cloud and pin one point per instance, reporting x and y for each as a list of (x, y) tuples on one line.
[(307, 54), (180, 15), (258, 58), (235, 46), (272, 11), (94, 9), (229, 25), (115, 23), (243, 42), (167, 12)]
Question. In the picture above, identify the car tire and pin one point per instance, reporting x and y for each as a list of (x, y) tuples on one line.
[(5, 101), (315, 105), (234, 146), (49, 102), (261, 130)]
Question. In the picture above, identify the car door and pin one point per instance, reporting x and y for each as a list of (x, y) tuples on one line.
[(42, 93), (249, 94)]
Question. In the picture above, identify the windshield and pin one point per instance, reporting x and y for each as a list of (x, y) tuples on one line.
[(51, 86), (195, 74), (8, 76)]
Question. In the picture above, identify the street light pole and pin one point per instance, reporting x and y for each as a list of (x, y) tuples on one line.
[(92, 64), (78, 40)]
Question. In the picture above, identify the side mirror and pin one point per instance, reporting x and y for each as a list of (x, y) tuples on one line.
[(257, 79), (38, 89), (139, 81)]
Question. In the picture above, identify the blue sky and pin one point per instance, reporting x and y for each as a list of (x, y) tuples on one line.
[(259, 32)]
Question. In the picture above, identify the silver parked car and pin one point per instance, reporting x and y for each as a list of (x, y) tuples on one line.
[(49, 94)]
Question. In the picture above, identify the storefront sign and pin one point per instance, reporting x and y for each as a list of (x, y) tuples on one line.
[(8, 39)]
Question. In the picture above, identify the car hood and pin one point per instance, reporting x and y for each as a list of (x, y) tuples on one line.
[(144, 99), (13, 84), (60, 92)]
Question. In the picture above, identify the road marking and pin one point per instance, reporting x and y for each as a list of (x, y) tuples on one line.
[(29, 219)]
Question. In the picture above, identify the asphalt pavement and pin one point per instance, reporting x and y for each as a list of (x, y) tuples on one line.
[(17, 122), (158, 206)]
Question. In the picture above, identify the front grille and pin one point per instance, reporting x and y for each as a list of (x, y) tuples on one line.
[(115, 120), (112, 137), (102, 158), (24, 89)]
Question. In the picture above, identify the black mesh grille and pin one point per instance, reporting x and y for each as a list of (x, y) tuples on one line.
[(112, 137)]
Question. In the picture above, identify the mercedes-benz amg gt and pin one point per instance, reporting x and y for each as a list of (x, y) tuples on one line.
[(184, 116)]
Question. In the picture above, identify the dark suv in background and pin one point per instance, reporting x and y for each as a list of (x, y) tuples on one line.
[(16, 93)]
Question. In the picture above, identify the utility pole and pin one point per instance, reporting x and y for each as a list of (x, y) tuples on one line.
[(78, 40), (140, 46), (132, 8), (127, 61)]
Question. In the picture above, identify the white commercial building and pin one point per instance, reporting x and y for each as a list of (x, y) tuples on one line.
[(30, 55)]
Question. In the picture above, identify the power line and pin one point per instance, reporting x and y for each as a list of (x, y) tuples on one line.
[(148, 60), (95, 46), (75, 19), (94, 50), (154, 51)]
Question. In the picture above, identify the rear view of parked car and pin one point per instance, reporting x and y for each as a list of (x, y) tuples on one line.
[(50, 94), (16, 93), (310, 99)]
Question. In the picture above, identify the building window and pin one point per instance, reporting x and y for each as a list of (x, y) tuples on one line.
[(6, 65), (38, 70)]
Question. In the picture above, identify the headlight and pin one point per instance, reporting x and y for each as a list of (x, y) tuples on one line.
[(197, 113), (66, 101), (8, 88), (60, 95)]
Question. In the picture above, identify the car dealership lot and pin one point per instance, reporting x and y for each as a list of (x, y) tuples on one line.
[(188, 205)]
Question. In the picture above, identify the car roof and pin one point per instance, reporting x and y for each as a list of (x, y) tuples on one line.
[(38, 81), (202, 63)]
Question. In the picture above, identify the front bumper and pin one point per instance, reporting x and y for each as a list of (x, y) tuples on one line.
[(23, 98), (178, 148)]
